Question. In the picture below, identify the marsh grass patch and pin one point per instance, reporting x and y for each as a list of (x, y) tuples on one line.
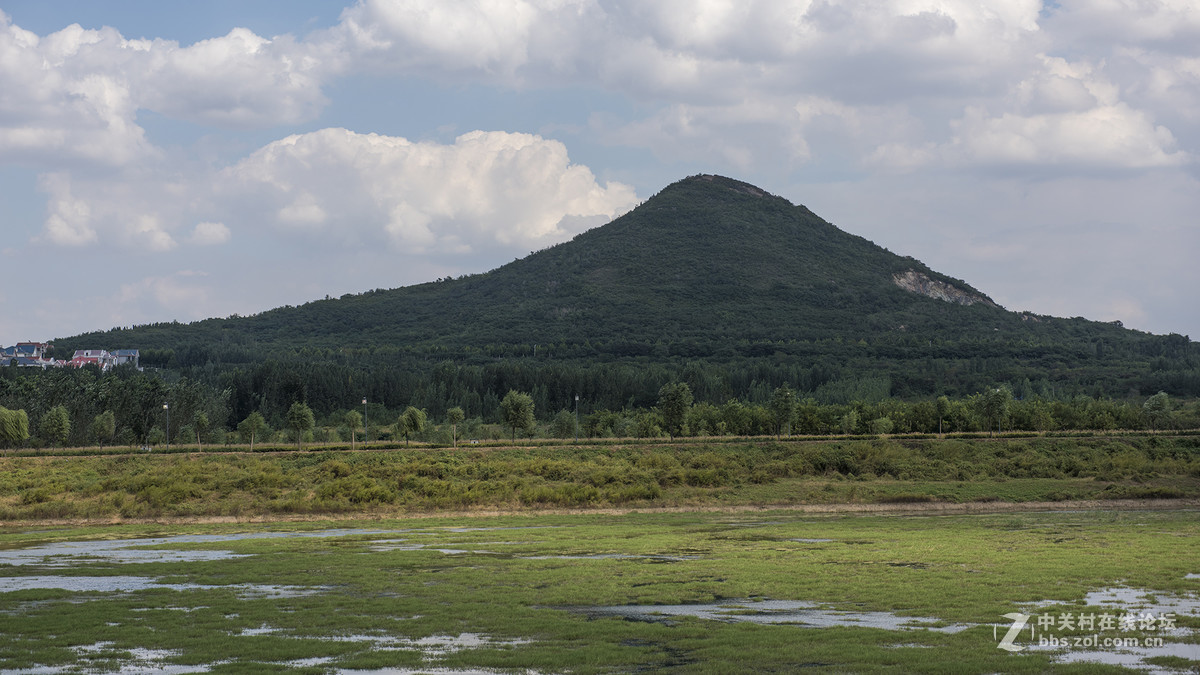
[(978, 567)]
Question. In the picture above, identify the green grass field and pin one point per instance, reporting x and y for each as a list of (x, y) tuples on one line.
[(526, 593), (625, 475)]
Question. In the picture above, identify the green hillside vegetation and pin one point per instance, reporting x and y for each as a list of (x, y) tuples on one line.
[(711, 282)]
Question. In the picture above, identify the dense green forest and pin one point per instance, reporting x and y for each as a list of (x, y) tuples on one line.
[(712, 283), (126, 407)]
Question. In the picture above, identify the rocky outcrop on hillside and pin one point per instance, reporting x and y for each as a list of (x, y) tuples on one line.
[(918, 282)]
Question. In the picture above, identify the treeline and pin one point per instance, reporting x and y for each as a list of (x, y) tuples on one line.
[(834, 373), (786, 413), (127, 407), (67, 407), (1072, 357)]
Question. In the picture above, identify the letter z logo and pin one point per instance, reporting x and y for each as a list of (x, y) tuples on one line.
[(1018, 625)]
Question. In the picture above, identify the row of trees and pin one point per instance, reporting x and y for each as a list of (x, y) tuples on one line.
[(993, 410), (301, 422), (676, 414), (127, 407), (830, 374)]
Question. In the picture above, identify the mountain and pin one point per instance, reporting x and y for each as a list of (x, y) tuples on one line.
[(709, 269), (707, 259)]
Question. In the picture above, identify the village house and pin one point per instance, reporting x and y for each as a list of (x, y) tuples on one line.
[(27, 355), (34, 355), (97, 357), (123, 356)]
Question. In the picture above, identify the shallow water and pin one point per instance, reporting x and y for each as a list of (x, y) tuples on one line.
[(435, 647), (80, 555), (431, 646), (399, 545), (437, 671), (131, 584), (652, 557), (495, 529), (136, 661), (1130, 657), (71, 554), (132, 551), (1136, 600), (773, 612), (1124, 600), (1142, 600)]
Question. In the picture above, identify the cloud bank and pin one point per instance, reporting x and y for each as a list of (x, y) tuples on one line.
[(920, 104)]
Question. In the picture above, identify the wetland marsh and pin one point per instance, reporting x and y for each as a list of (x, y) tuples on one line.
[(713, 592)]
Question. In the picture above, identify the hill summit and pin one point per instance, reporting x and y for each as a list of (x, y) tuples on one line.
[(711, 258)]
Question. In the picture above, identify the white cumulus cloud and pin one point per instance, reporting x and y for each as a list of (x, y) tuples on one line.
[(487, 187), (1114, 136), (75, 94)]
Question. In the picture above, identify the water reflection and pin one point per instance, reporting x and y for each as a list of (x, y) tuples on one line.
[(130, 551), (774, 612)]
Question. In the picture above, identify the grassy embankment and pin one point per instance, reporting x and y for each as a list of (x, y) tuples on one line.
[(761, 472), (376, 598)]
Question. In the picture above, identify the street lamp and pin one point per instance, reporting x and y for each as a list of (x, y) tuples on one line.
[(576, 418), (365, 437), (168, 409)]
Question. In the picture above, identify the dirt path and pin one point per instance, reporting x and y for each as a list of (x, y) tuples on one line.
[(926, 508)]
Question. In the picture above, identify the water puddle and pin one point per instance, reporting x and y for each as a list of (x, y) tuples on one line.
[(436, 646), (432, 648), (1135, 601), (911, 645), (773, 612), (135, 660), (261, 630), (127, 551), (131, 584), (1131, 649), (1131, 657), (650, 557), (312, 662), (1141, 600), (495, 529), (71, 554), (401, 545), (436, 670)]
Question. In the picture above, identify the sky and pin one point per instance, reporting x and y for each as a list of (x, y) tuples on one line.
[(179, 161)]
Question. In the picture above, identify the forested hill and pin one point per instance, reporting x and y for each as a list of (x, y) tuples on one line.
[(708, 262), (711, 274)]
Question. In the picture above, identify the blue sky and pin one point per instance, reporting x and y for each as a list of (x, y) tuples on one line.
[(177, 161)]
